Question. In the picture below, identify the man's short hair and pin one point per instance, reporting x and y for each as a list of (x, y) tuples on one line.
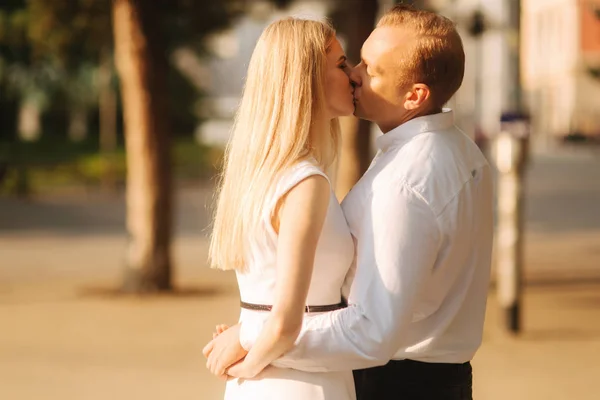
[(438, 59)]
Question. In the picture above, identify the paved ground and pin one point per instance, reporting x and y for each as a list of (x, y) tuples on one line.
[(64, 335)]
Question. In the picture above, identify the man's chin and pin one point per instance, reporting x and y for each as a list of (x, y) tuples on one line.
[(359, 113)]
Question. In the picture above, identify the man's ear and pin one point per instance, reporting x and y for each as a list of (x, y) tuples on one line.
[(416, 96)]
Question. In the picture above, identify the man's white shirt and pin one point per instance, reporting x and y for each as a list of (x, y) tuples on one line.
[(422, 216)]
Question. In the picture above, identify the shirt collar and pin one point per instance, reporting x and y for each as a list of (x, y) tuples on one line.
[(414, 127)]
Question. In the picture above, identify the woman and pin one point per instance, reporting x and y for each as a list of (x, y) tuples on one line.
[(278, 223)]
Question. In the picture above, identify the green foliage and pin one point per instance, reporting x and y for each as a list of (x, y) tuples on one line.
[(61, 163), (23, 76), (69, 32), (50, 51)]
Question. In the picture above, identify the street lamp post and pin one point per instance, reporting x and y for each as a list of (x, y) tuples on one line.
[(511, 155)]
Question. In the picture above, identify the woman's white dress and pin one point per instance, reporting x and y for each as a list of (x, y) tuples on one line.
[(335, 252)]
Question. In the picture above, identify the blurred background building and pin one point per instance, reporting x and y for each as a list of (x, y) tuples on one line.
[(561, 67)]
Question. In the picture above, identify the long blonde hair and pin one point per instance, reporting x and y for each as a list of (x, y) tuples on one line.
[(281, 120)]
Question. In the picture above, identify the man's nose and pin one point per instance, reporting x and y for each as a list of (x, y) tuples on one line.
[(354, 77)]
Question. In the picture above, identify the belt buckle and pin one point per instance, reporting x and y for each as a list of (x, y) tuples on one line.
[(308, 309)]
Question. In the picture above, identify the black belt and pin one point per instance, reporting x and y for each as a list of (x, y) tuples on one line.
[(308, 309)]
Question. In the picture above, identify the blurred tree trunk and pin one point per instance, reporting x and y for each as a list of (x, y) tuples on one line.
[(29, 120), (78, 129), (141, 63), (354, 24)]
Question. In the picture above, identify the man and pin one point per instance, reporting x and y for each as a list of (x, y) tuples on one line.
[(422, 216)]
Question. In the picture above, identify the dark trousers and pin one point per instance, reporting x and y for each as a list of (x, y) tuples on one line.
[(414, 380)]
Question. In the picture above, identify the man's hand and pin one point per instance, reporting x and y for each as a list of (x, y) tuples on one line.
[(241, 370), (223, 351)]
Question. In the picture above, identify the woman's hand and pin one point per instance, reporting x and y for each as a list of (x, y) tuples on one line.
[(219, 329), (223, 351)]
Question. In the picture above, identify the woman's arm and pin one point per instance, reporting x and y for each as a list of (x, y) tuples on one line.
[(300, 220)]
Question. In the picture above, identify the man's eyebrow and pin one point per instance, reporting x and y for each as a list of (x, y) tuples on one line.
[(374, 68)]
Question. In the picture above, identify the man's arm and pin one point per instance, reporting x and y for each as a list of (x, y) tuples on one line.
[(397, 248)]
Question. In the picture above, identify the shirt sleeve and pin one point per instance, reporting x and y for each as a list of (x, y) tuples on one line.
[(399, 239)]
